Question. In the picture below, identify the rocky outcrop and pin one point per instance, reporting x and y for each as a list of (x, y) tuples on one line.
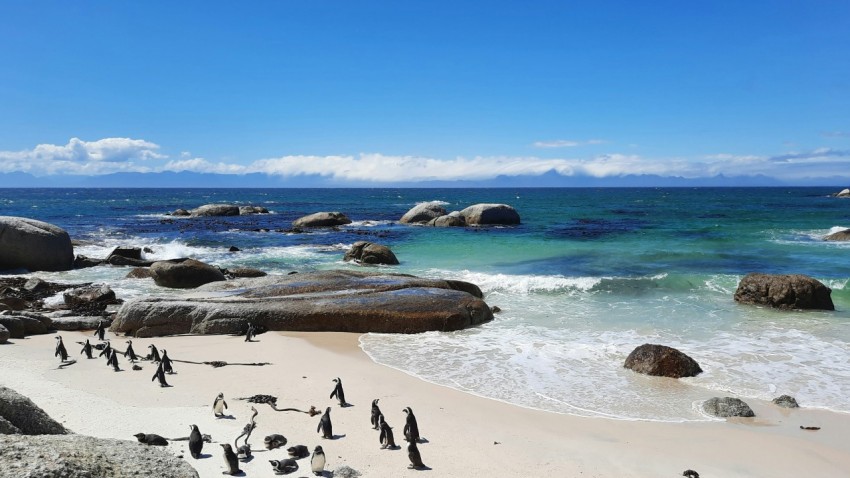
[(186, 274), (322, 219), (77, 456), (363, 252), (128, 252), (661, 361), (181, 213), (4, 334), (26, 416), (139, 273), (341, 301), (243, 272), (75, 323), (727, 407), (34, 245), (449, 220), (82, 262), (422, 213), (786, 401), (784, 292), (844, 193), (248, 210), (22, 324), (490, 214), (838, 236), (89, 300), (215, 210)]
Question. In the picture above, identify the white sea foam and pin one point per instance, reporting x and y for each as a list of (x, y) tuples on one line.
[(441, 203), (520, 284)]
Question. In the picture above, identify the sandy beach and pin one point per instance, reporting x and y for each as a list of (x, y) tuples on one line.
[(464, 434)]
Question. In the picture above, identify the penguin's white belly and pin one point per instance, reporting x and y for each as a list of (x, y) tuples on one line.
[(318, 463)]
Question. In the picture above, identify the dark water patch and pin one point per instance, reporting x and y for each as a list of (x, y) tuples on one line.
[(596, 228)]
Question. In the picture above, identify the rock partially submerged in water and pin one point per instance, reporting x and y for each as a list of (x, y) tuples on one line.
[(786, 401), (186, 274), (490, 214), (322, 219), (449, 220), (322, 301), (727, 407), (662, 361), (784, 292), (221, 210), (363, 252), (844, 193), (422, 213), (34, 245), (838, 236)]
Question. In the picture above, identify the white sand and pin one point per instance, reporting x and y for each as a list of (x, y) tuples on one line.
[(467, 435)]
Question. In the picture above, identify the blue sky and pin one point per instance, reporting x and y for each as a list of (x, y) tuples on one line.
[(426, 90)]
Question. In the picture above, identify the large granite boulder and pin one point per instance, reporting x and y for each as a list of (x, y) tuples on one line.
[(844, 193), (784, 292), (321, 301), (449, 220), (186, 274), (22, 324), (128, 252), (82, 262), (139, 273), (242, 272), (322, 219), (363, 252), (26, 416), (34, 245), (490, 214), (661, 361), (78, 456), (839, 236), (89, 299), (248, 210), (215, 210), (4, 334), (422, 213), (727, 407), (76, 322), (786, 401)]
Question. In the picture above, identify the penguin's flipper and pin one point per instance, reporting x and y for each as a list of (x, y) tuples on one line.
[(225, 404)]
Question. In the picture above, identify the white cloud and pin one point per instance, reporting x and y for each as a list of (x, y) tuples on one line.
[(104, 156)]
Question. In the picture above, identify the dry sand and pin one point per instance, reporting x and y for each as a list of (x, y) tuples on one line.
[(466, 435)]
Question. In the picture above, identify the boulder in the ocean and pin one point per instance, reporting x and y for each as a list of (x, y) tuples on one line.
[(784, 292), (364, 252), (128, 252), (215, 210), (838, 236), (26, 416), (181, 213), (34, 245), (449, 220), (187, 274), (490, 214), (233, 249), (662, 361), (139, 273), (82, 262), (423, 212), (248, 210), (322, 219), (727, 407), (844, 193), (91, 299), (786, 401), (241, 272), (4, 334)]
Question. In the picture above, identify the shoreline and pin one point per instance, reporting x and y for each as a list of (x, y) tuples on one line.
[(466, 433)]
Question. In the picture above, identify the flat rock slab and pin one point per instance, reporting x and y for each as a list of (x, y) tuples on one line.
[(323, 301)]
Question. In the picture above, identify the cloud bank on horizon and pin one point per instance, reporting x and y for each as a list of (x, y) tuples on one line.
[(114, 155)]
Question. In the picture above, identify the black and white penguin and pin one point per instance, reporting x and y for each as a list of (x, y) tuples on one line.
[(130, 353), (338, 392), (166, 362), (160, 374), (411, 428), (87, 349), (230, 460), (107, 350), (100, 331), (298, 451), (386, 438), (154, 355), (414, 456), (273, 441), (690, 474), (249, 333), (113, 360), (151, 439), (284, 467), (376, 412), (196, 442), (317, 463), (219, 405), (61, 352), (325, 425)]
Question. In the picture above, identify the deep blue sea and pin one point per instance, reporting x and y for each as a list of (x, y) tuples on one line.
[(588, 275)]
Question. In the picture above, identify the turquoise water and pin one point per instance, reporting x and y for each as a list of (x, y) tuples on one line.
[(586, 277)]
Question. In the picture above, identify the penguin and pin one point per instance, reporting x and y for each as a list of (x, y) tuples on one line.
[(154, 355), (151, 439), (249, 334), (317, 463), (411, 428), (61, 352), (690, 474), (298, 451), (338, 392), (166, 363), (284, 467), (325, 425), (87, 349), (113, 360), (243, 453), (100, 331), (230, 460), (196, 442), (219, 405), (376, 412), (106, 350), (414, 456), (274, 441), (130, 353), (386, 438), (160, 374)]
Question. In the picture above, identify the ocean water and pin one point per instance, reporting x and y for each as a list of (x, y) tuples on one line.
[(588, 275)]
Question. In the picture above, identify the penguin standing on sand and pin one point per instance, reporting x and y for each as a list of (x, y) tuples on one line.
[(154, 355), (196, 442), (130, 353), (230, 460), (317, 462), (166, 362), (87, 349), (339, 393), (249, 334), (160, 374), (325, 425), (219, 405), (411, 428), (113, 360), (386, 438), (61, 352), (414, 456), (107, 349), (376, 412), (100, 331)]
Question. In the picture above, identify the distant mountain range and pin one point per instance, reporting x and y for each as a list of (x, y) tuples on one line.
[(259, 180)]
